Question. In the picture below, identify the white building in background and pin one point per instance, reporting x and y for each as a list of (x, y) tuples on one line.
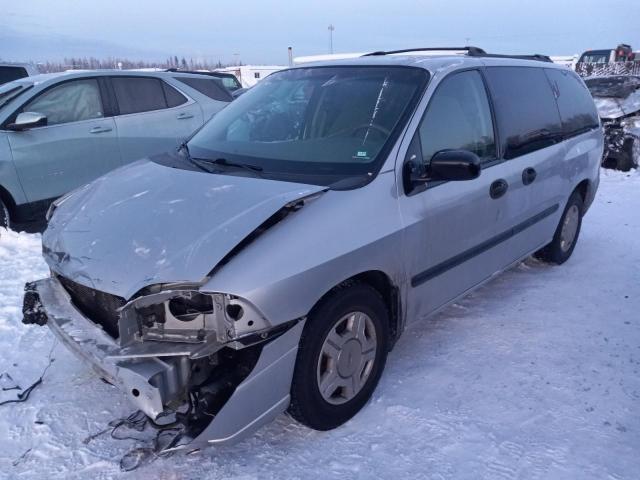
[(249, 75)]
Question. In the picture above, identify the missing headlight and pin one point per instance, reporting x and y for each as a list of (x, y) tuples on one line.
[(186, 309), (190, 316)]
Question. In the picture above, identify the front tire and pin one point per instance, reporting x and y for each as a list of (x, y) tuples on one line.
[(567, 232), (342, 353)]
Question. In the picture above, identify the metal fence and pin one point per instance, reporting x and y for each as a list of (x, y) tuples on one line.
[(603, 69)]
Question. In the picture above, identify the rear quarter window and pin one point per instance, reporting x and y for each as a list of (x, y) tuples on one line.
[(211, 87), (173, 96), (577, 110), (526, 110)]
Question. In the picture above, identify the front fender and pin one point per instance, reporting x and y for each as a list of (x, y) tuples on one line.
[(287, 269)]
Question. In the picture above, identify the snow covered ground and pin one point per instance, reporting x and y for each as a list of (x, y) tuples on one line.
[(535, 375)]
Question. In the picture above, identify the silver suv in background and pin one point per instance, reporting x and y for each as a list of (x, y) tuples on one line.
[(274, 261), (62, 130), (14, 71)]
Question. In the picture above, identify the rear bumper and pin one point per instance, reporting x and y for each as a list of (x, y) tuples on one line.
[(153, 379)]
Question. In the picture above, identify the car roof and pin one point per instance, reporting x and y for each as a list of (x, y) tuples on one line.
[(47, 78), (431, 61)]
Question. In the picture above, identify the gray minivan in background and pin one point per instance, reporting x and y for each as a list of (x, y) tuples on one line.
[(272, 262), (59, 131)]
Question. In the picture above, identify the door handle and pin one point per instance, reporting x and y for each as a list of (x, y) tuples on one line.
[(529, 175), (498, 188), (100, 129), (184, 116)]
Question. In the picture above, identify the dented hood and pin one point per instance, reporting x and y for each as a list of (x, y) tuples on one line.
[(147, 223)]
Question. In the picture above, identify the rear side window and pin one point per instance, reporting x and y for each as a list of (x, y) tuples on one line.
[(139, 94), (9, 74), (208, 86), (526, 109), (458, 117), (577, 110)]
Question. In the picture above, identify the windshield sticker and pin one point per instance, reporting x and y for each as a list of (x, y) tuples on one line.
[(360, 155)]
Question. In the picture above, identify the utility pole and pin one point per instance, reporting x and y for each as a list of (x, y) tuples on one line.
[(331, 29)]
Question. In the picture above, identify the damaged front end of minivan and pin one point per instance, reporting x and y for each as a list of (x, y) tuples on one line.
[(211, 360)]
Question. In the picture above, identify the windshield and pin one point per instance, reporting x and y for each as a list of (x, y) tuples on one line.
[(314, 125)]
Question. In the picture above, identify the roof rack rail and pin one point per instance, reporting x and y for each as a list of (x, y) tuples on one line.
[(535, 56), (470, 51)]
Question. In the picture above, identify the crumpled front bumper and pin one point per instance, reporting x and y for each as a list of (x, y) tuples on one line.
[(151, 380)]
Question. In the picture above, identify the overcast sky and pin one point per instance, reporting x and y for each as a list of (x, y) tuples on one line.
[(261, 31)]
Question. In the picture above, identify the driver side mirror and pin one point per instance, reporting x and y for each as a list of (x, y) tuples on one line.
[(27, 120), (445, 165)]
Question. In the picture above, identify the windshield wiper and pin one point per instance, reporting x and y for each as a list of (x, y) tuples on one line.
[(183, 147), (226, 163)]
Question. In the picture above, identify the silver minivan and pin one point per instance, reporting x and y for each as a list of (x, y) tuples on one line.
[(62, 130), (273, 262)]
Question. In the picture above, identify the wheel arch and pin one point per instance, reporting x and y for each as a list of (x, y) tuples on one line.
[(586, 190), (387, 289), (583, 188), (8, 200)]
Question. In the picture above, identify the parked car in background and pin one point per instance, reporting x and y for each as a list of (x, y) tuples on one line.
[(618, 101), (60, 131), (13, 71), (274, 260)]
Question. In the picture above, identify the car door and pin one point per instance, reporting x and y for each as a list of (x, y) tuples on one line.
[(448, 224), (153, 116), (532, 150), (77, 145)]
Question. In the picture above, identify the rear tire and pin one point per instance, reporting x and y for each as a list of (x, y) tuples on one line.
[(342, 353), (567, 233), (4, 215)]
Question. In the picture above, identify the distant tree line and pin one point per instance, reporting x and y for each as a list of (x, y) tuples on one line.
[(93, 63)]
